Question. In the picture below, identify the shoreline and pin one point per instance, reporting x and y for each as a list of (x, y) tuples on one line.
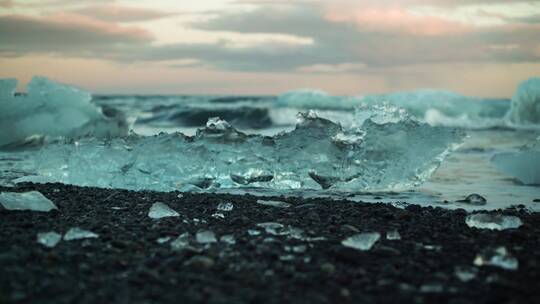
[(126, 264)]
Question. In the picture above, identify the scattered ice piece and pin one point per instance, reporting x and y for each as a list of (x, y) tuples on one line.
[(493, 221), (225, 207), (299, 249), (272, 228), (466, 273), (474, 199), (161, 210), (362, 241), (78, 233), (432, 288), (205, 237), (118, 208), (228, 238), (432, 247), (253, 232), (49, 239), (286, 258), (163, 240), (278, 204), (33, 201), (181, 242), (499, 257), (393, 235), (180, 195), (218, 216)]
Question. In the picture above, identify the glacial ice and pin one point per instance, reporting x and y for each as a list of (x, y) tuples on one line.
[(474, 199), (493, 221), (525, 106), (33, 201), (315, 99), (375, 155), (161, 210), (278, 204), (393, 235), (78, 233), (226, 207), (523, 165), (181, 242), (54, 110), (499, 257), (49, 239), (362, 241)]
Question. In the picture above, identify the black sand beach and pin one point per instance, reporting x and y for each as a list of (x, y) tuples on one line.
[(126, 264)]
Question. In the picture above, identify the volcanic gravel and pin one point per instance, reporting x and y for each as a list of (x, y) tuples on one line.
[(126, 264)]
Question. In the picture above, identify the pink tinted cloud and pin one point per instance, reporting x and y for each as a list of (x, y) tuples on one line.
[(81, 22), (120, 13), (395, 20)]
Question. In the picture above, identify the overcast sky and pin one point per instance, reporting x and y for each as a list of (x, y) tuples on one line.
[(475, 47)]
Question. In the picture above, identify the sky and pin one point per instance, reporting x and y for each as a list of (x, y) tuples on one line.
[(346, 47)]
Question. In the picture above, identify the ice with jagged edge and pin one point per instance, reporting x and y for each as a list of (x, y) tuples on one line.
[(525, 106), (387, 150), (50, 109), (523, 165)]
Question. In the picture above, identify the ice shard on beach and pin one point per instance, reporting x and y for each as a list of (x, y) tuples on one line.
[(33, 201), (523, 165), (385, 150), (161, 210), (362, 241), (493, 221)]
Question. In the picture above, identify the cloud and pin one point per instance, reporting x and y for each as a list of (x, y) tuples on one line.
[(118, 13), (65, 33)]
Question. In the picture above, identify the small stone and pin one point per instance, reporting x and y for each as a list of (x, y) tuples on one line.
[(493, 221), (362, 241), (226, 207), (328, 268), (278, 204), (205, 237), (49, 239), (78, 233), (32, 201), (200, 262), (161, 210), (474, 199)]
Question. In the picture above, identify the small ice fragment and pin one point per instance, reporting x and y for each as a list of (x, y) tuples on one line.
[(393, 235), (163, 240), (218, 216), (78, 233), (465, 273), (432, 247), (161, 210), (180, 195), (499, 257), (277, 204), (431, 288), (181, 242), (205, 237), (299, 249), (492, 221), (362, 241), (49, 239), (33, 201), (273, 228), (474, 199), (228, 238), (253, 232), (286, 258), (225, 207)]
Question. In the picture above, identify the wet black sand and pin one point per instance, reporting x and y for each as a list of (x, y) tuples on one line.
[(126, 264)]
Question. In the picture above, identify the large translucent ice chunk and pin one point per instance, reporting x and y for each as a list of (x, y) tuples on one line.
[(493, 221), (315, 99), (205, 237), (396, 154), (33, 201), (525, 107), (362, 241), (161, 210), (52, 109)]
